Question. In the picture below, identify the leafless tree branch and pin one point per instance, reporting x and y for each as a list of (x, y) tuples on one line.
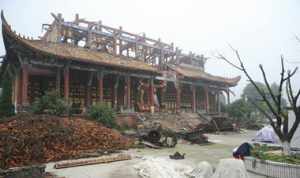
[(280, 115)]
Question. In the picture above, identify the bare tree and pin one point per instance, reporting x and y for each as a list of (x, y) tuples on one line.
[(276, 114)]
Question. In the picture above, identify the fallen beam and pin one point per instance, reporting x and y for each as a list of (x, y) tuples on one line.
[(91, 161)]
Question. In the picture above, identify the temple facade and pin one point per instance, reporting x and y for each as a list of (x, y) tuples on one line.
[(88, 62)]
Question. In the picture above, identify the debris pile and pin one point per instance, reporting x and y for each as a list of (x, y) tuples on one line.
[(177, 155), (164, 129), (29, 139)]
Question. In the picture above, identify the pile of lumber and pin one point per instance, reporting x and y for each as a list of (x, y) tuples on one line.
[(29, 139), (91, 161)]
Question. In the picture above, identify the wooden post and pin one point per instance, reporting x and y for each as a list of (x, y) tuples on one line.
[(218, 102), (128, 92), (58, 78), (125, 93), (25, 84), (89, 89), (18, 91), (151, 93), (194, 98), (228, 96), (115, 98), (88, 96), (178, 97), (114, 45), (66, 83), (120, 41), (100, 86), (206, 99)]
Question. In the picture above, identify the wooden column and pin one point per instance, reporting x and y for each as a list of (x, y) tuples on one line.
[(218, 102), (128, 92), (178, 97), (151, 93), (114, 45), (18, 91), (115, 92), (120, 42), (194, 98), (100, 86), (163, 90), (228, 96), (25, 84), (206, 99), (66, 83), (89, 89), (88, 96), (58, 79)]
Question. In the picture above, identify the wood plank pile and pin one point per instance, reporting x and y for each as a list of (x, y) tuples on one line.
[(91, 161), (30, 139)]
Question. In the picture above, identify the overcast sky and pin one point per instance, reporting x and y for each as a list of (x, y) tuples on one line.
[(261, 30)]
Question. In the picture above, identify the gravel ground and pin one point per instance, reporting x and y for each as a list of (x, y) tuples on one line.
[(221, 147)]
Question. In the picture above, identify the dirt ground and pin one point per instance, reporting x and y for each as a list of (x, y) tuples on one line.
[(221, 147)]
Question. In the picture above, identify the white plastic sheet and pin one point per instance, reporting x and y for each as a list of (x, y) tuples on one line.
[(231, 168)]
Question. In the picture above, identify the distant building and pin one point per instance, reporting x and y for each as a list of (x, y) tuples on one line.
[(88, 62)]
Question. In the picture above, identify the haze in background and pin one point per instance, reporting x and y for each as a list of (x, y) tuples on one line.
[(261, 30)]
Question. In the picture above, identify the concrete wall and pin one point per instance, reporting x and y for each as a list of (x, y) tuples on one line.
[(296, 139)]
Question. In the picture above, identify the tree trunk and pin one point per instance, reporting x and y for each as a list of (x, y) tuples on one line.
[(286, 147)]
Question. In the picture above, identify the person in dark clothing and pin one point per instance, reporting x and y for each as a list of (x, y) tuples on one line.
[(242, 151)]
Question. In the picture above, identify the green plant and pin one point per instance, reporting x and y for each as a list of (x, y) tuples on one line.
[(263, 153), (6, 106), (51, 103), (260, 151), (103, 114)]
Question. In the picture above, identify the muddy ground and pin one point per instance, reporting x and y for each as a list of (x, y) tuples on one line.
[(221, 147)]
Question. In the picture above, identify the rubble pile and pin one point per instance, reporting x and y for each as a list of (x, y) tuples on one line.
[(29, 139)]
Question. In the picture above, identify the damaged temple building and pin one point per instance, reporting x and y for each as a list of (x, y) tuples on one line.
[(89, 62)]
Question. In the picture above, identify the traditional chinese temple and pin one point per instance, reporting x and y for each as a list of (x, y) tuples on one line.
[(88, 62)]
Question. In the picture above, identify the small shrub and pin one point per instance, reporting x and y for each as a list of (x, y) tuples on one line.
[(51, 103), (262, 152), (103, 114), (6, 106)]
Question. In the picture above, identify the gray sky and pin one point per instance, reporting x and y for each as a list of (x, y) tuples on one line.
[(261, 30)]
